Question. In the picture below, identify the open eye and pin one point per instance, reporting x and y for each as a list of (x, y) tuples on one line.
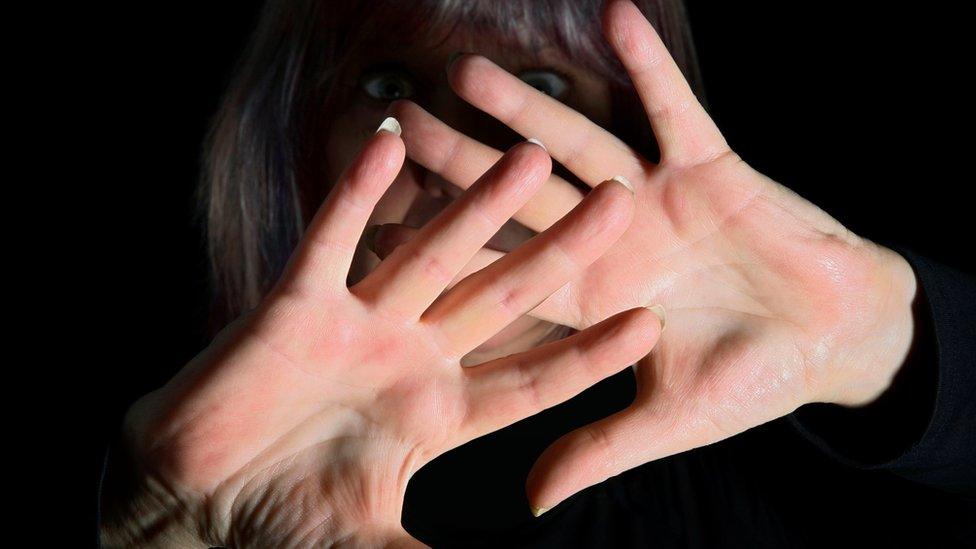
[(387, 84), (548, 82)]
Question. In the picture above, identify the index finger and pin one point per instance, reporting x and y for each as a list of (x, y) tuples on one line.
[(325, 252), (585, 148), (461, 160), (684, 131)]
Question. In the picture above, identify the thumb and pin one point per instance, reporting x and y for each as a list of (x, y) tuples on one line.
[(585, 457), (593, 453)]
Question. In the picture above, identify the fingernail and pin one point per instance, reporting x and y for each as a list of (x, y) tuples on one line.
[(391, 125), (659, 311), (369, 237), (536, 511), (623, 181), (537, 142)]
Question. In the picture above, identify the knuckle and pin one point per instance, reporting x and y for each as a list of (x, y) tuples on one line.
[(577, 148), (451, 154), (529, 386), (584, 359), (672, 111), (600, 439), (510, 300), (433, 268)]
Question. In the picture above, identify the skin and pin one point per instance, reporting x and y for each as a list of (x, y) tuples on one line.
[(770, 304), (417, 193), (370, 374)]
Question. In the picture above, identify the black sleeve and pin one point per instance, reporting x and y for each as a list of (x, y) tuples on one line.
[(924, 426)]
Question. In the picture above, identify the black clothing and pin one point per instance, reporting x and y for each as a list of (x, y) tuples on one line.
[(900, 471)]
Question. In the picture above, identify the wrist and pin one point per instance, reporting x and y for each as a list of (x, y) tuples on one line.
[(137, 510), (882, 337)]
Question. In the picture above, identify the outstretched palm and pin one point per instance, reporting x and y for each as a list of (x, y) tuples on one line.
[(303, 422), (771, 303)]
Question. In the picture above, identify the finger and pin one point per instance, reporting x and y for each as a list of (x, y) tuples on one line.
[(556, 308), (325, 253), (391, 235), (684, 131), (409, 280), (643, 432), (588, 456), (581, 145), (461, 161), (487, 301), (509, 389)]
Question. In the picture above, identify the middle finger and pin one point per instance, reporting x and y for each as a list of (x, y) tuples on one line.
[(417, 272), (585, 148), (492, 298), (461, 160)]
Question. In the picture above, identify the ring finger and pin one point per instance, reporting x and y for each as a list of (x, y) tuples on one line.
[(409, 280), (481, 305)]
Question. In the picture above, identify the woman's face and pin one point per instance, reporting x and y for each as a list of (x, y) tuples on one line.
[(418, 72)]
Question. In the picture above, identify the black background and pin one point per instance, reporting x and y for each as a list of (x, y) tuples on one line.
[(863, 109)]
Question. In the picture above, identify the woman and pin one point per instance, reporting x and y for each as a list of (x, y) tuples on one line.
[(304, 420)]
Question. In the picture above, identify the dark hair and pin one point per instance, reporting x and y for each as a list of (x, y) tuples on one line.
[(261, 159)]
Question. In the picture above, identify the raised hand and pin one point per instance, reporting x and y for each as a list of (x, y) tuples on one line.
[(302, 423), (770, 302)]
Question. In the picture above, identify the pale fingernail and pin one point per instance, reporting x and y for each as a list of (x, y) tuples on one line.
[(537, 142), (391, 125), (536, 511), (623, 181), (659, 311)]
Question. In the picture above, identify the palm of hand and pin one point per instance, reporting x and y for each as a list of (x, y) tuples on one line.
[(337, 427), (737, 348), (771, 303), (302, 423), (760, 290)]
